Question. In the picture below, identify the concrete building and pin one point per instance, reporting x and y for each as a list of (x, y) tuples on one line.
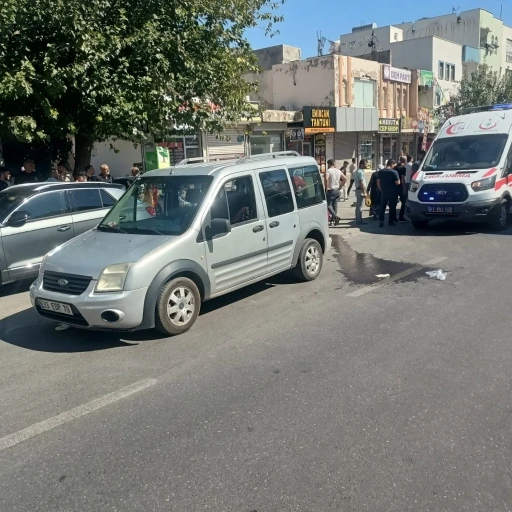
[(431, 53), (344, 102), (476, 29)]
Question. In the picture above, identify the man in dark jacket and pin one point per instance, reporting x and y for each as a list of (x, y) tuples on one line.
[(388, 181), (5, 177), (28, 173), (402, 188)]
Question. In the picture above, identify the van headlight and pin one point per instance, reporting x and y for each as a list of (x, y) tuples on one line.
[(486, 184), (112, 278), (414, 186)]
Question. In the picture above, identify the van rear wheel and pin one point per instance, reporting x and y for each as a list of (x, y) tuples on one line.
[(177, 306), (311, 259)]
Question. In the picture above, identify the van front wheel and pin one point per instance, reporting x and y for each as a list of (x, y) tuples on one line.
[(310, 261), (499, 218), (177, 306)]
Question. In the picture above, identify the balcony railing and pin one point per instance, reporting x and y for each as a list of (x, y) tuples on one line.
[(470, 54)]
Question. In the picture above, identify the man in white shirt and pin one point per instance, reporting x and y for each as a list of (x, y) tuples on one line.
[(334, 180), (360, 191)]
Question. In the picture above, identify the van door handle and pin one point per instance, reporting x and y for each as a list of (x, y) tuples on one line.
[(257, 229), (63, 228), (274, 224)]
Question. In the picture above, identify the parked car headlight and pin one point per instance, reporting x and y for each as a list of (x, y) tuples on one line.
[(486, 184), (112, 278), (414, 186)]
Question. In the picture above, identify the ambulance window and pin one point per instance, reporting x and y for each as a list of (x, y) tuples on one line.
[(507, 168)]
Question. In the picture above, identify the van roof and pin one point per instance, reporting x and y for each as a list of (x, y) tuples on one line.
[(478, 123), (226, 167)]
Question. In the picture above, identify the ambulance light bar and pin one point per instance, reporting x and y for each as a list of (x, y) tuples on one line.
[(489, 108)]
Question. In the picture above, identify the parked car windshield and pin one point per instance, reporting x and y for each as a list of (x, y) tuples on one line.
[(163, 205), (11, 198), (465, 152)]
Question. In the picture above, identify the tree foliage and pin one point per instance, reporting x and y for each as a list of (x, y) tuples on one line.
[(108, 68), (483, 87)]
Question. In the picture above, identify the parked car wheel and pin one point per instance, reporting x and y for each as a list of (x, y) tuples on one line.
[(177, 306), (311, 259)]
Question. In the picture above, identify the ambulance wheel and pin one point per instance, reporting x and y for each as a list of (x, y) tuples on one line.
[(499, 218), (420, 224)]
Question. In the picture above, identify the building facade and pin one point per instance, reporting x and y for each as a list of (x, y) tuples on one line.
[(352, 108), (476, 29)]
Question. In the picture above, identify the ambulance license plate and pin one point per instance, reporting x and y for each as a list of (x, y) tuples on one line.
[(440, 209)]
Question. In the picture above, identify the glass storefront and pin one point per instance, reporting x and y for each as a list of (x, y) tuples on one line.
[(182, 147), (367, 146), (388, 148), (266, 142), (304, 148)]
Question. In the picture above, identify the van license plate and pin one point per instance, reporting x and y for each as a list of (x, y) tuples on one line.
[(55, 307), (440, 209)]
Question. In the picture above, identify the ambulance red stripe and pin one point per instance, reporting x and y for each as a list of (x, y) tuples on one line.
[(490, 172)]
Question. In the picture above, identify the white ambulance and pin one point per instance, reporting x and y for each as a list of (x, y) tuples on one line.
[(467, 173)]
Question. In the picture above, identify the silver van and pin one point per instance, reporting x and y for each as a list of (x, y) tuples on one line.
[(186, 234), (35, 218)]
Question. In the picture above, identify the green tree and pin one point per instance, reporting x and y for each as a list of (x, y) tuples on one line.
[(108, 68), (483, 87)]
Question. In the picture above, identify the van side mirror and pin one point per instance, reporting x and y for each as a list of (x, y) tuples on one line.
[(217, 227), (18, 219)]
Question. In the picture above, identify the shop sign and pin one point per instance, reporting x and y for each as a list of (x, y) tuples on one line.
[(171, 145), (296, 134), (427, 78), (391, 74), (410, 123), (389, 125), (319, 119)]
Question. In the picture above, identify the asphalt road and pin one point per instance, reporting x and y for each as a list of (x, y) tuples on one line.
[(347, 394)]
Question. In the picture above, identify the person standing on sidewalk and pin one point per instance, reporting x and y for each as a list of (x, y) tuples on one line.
[(402, 188), (351, 171), (344, 170), (334, 180), (373, 191), (408, 172), (388, 181), (360, 191)]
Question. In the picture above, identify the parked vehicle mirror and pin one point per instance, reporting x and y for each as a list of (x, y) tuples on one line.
[(217, 228), (18, 219)]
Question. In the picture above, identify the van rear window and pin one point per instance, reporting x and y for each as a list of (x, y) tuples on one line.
[(307, 185)]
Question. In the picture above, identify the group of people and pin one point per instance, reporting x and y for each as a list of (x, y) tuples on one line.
[(59, 173), (387, 185)]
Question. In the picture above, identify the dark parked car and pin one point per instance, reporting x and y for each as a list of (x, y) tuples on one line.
[(38, 217)]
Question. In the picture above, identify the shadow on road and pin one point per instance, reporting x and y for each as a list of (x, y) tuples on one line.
[(26, 329), (436, 228), (14, 288)]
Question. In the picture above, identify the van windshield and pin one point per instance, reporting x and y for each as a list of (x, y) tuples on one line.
[(163, 205), (465, 152)]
